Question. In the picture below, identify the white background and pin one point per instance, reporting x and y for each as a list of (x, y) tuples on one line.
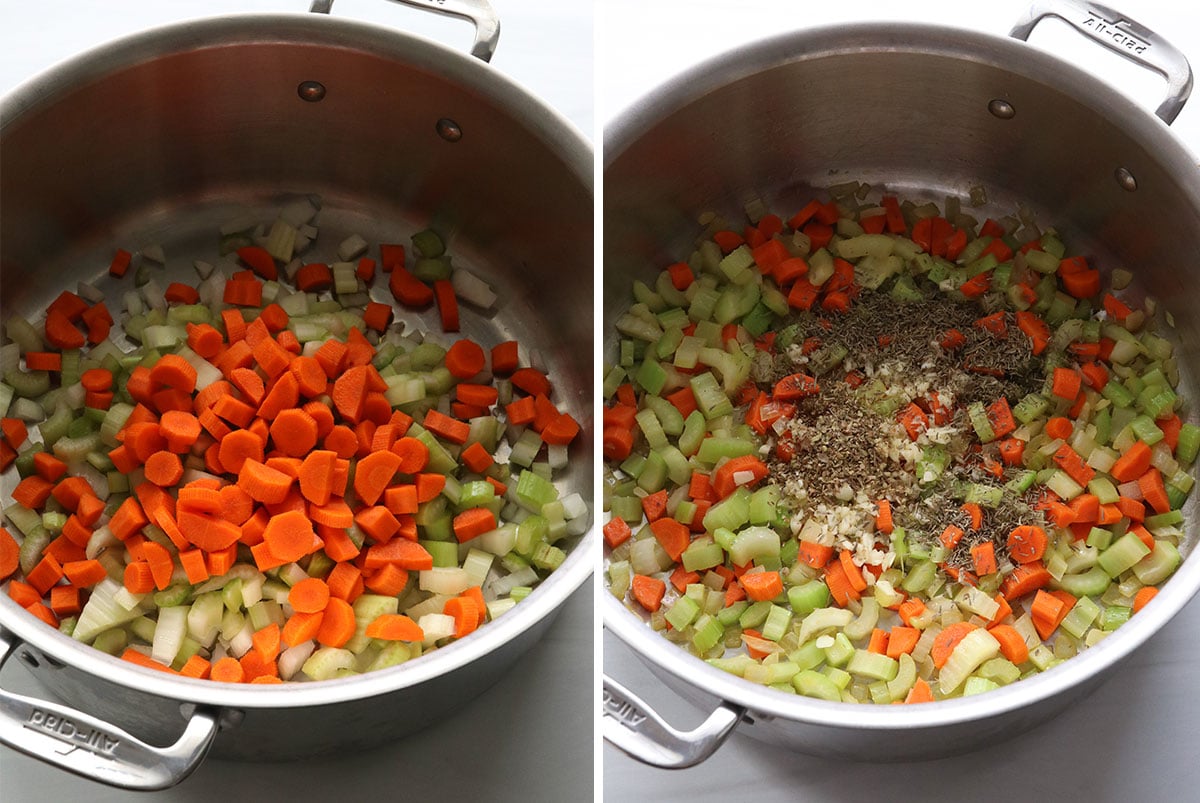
[(530, 737), (1134, 739)]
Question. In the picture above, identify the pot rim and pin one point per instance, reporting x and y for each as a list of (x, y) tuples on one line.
[(1030, 62), (560, 136)]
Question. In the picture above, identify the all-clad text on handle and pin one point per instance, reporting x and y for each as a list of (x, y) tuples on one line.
[(634, 727), (94, 749), (1124, 36)]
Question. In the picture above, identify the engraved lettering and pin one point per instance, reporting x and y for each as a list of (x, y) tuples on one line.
[(1115, 31), (623, 710), (70, 732)]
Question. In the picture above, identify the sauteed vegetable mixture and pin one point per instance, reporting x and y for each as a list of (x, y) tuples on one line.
[(880, 452), (267, 476)]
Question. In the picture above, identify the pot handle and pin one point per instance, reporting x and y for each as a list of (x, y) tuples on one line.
[(94, 749), (635, 728), (1124, 36), (478, 12)]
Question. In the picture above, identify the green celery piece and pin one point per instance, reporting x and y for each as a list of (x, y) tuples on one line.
[(731, 513), (651, 427), (753, 544), (1189, 444), (809, 596), (666, 345), (777, 623), (872, 665), (710, 398), (729, 615), (1114, 616), (682, 613), (651, 376), (699, 556), (708, 632), (714, 448), (695, 427), (668, 415), (932, 462), (1092, 583), (758, 320), (1030, 408), (763, 504), (755, 615), (1160, 564), (1123, 554)]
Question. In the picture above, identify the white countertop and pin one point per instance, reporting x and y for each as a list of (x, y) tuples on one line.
[(532, 752), (1133, 739)]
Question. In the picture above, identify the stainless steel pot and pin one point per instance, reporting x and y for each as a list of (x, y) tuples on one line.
[(158, 139), (925, 111)]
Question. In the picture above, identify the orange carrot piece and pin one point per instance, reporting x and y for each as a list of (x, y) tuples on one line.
[(648, 591), (1027, 543), (473, 522), (394, 627), (1143, 596), (389, 580), (920, 691), (444, 426), (337, 623), (227, 670), (373, 474), (761, 585), (1012, 643), (901, 640), (413, 455), (263, 483), (673, 536), (164, 469), (814, 554), (883, 516), (1132, 464), (138, 577), (736, 472), (465, 614), (983, 555), (265, 641), (447, 303), (949, 638), (476, 458), (290, 536), (464, 359), (504, 358)]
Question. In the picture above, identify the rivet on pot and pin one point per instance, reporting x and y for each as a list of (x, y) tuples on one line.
[(311, 91), (1002, 109), (448, 130), (1125, 179), (30, 659)]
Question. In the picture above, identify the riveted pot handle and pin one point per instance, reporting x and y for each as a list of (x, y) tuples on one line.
[(90, 747), (479, 12), (635, 728), (1124, 36)]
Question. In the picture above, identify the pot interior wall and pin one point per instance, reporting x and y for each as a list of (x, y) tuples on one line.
[(916, 123), (164, 140)]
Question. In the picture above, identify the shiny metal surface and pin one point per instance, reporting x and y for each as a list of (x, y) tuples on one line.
[(798, 112), (160, 137), (1123, 36), (632, 725), (93, 748), (478, 12)]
